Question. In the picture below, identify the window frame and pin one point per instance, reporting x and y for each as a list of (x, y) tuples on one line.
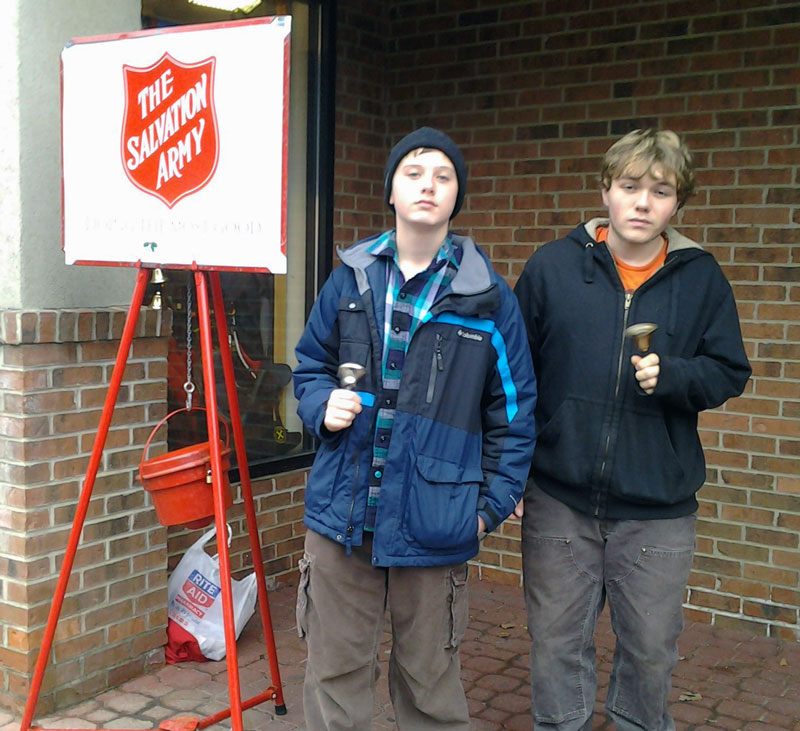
[(319, 191), (320, 156)]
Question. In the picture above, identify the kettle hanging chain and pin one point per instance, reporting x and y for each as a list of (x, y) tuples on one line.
[(189, 386)]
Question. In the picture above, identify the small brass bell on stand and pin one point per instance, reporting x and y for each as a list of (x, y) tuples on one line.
[(157, 278)]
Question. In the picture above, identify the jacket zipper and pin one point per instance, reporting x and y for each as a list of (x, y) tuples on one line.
[(350, 526), (437, 365), (628, 298), (626, 312)]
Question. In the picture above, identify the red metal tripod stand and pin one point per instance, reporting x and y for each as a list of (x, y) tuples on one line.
[(203, 281)]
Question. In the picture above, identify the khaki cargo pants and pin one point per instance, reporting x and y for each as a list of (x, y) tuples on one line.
[(341, 605)]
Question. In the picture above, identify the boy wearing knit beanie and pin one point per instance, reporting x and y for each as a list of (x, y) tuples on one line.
[(418, 459)]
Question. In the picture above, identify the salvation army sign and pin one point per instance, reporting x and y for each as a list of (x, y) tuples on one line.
[(175, 147), (169, 133)]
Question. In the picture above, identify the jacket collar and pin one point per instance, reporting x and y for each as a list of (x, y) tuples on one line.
[(473, 274), (675, 240)]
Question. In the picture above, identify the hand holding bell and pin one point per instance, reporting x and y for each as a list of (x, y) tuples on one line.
[(344, 404), (647, 367)]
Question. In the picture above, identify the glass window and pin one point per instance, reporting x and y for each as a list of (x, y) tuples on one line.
[(265, 312)]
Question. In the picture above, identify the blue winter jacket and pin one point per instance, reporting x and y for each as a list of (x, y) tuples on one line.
[(463, 433)]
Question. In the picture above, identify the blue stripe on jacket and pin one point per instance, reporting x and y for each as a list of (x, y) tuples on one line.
[(499, 344)]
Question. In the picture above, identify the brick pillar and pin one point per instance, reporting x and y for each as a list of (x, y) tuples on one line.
[(55, 367)]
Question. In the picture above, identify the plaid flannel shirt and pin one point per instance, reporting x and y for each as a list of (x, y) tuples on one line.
[(407, 306)]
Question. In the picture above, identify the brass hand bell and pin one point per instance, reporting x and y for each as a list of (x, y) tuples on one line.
[(640, 333), (350, 374)]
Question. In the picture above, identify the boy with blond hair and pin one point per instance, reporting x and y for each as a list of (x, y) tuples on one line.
[(609, 510)]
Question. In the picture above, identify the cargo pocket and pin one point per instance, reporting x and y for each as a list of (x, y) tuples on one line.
[(301, 610), (459, 606)]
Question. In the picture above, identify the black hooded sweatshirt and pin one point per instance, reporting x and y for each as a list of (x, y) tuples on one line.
[(604, 447)]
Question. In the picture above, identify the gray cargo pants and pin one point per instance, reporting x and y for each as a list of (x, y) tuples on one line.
[(571, 563), (341, 603)]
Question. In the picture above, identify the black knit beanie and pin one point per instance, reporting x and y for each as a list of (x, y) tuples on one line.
[(433, 139)]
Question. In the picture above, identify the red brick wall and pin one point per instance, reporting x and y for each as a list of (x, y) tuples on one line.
[(55, 368), (361, 124), (535, 92)]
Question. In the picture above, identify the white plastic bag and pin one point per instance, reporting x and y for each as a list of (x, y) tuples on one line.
[(195, 597)]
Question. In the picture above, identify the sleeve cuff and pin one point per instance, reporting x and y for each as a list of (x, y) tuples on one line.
[(490, 517)]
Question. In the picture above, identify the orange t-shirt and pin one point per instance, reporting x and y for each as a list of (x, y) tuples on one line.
[(633, 277)]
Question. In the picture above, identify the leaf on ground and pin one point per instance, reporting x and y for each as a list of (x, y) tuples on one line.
[(689, 695), (182, 723), (507, 625), (783, 662), (503, 634)]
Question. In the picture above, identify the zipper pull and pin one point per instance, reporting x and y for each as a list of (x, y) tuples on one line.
[(628, 298), (439, 357)]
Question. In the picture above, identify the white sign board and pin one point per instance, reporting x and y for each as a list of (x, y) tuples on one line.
[(174, 147)]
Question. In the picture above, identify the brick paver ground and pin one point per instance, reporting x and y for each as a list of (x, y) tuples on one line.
[(724, 680)]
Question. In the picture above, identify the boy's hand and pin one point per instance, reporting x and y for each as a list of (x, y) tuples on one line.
[(647, 370), (343, 406), (519, 510), (515, 515)]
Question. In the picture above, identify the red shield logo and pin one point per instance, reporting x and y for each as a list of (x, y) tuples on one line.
[(170, 140)]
